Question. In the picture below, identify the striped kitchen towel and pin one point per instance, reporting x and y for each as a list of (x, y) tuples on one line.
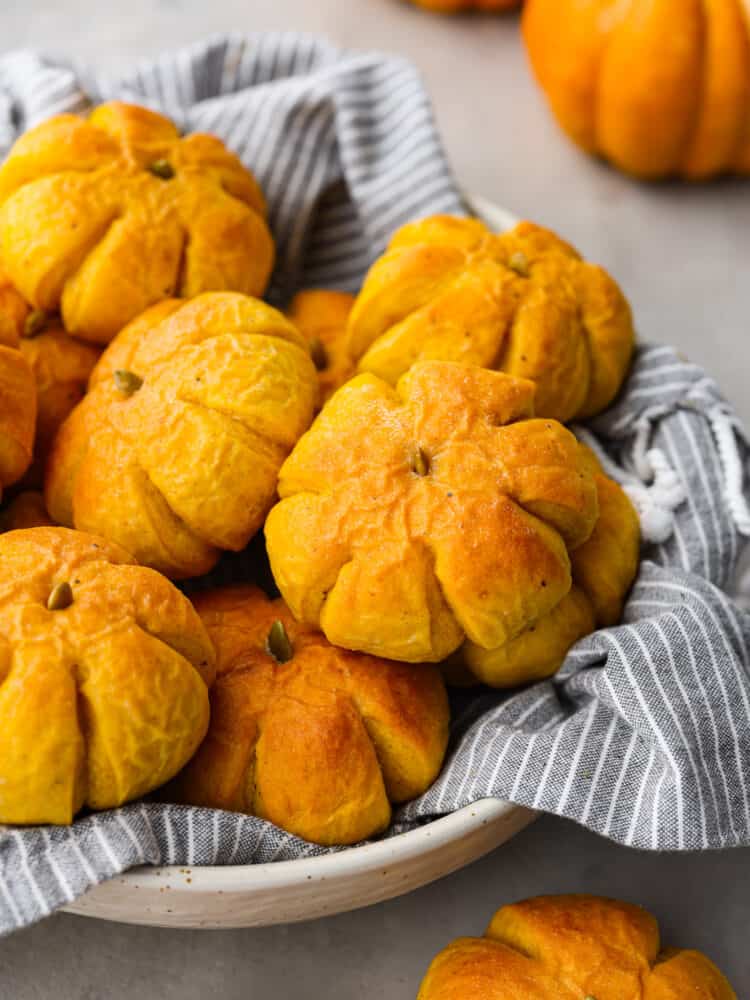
[(644, 734), (343, 143)]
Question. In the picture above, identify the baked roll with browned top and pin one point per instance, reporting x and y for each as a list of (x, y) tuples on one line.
[(571, 948), (314, 738)]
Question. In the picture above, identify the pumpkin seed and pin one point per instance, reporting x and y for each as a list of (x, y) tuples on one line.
[(421, 464), (127, 382), (318, 354), (161, 168), (278, 643), (35, 323), (519, 263), (61, 597)]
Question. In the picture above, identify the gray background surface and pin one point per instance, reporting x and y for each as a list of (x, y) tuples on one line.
[(682, 255)]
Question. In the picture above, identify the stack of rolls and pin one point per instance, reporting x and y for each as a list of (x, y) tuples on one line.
[(427, 514)]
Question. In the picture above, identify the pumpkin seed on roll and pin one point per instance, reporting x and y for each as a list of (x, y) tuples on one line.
[(318, 740), (521, 302), (413, 518), (105, 215), (175, 451), (104, 674)]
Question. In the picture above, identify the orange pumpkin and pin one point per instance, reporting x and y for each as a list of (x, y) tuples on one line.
[(316, 739), (459, 6), (659, 87), (101, 217), (571, 948), (104, 673)]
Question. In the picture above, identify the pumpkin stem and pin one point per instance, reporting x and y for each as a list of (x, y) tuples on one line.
[(519, 263), (318, 354), (61, 597), (35, 323), (162, 169), (421, 464), (127, 382), (278, 643)]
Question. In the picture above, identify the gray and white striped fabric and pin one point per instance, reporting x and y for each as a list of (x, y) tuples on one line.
[(644, 735), (343, 143)]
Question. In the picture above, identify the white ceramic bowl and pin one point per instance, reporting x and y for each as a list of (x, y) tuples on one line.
[(285, 891)]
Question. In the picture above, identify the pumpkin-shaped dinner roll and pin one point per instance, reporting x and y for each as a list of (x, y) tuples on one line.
[(17, 407), (101, 217), (104, 667), (604, 568), (175, 451), (321, 316), (316, 739), (411, 518), (61, 366), (522, 302), (571, 948)]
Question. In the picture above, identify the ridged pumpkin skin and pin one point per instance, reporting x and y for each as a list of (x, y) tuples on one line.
[(522, 302), (603, 568), (413, 517), (460, 6), (571, 948), (321, 315), (184, 465), (659, 87), (18, 402), (321, 744), (25, 510), (102, 217), (103, 698)]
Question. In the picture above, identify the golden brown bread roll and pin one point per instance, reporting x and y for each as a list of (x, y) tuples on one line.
[(571, 948), (61, 366), (18, 403), (101, 217), (175, 451), (603, 569), (321, 315), (316, 739), (412, 518), (104, 667), (522, 302)]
